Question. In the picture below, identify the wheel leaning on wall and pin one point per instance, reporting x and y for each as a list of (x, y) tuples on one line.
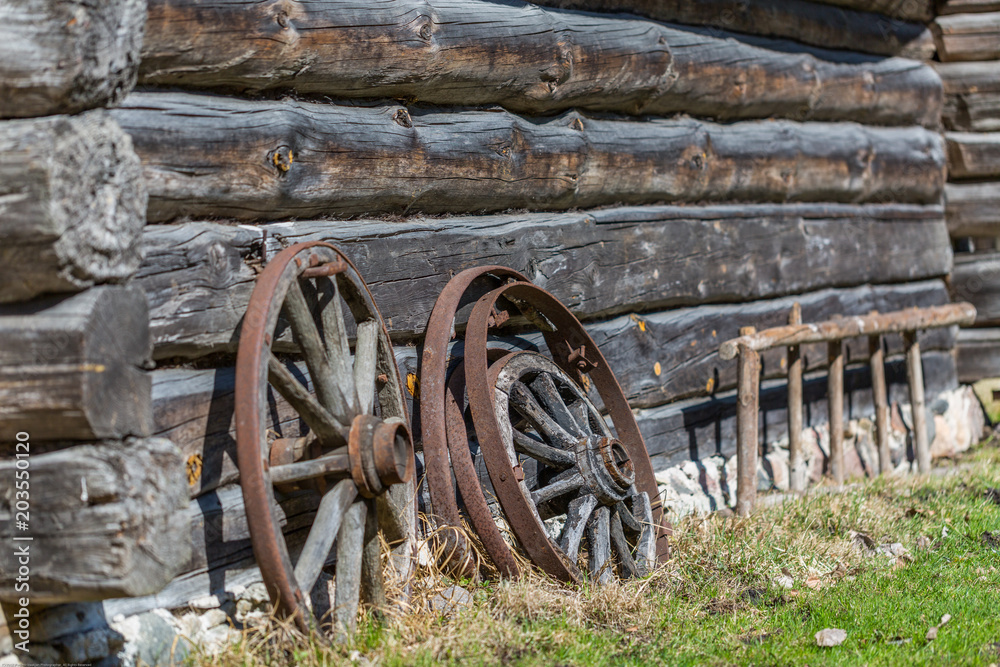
[(357, 454)]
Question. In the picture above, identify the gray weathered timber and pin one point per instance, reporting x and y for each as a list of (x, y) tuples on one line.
[(799, 20), (198, 276), (72, 204), (971, 95), (973, 209), (526, 58), (103, 521), (66, 56), (978, 354), (967, 36), (702, 427), (206, 155), (194, 407), (976, 279), (70, 368), (685, 342), (967, 6), (221, 555), (973, 154)]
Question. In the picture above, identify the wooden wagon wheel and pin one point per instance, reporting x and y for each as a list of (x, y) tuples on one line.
[(357, 453), (550, 453)]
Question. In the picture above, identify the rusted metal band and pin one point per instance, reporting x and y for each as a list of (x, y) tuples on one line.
[(438, 465), (900, 321)]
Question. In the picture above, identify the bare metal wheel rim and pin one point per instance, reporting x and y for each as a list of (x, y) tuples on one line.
[(357, 451), (576, 478)]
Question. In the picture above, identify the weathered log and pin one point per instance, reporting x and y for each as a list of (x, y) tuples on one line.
[(967, 6), (911, 10), (198, 276), (973, 209), (967, 36), (666, 356), (70, 368), (194, 408), (978, 354), (976, 279), (701, 427), (972, 95), (973, 154), (800, 20), (65, 57), (527, 58), (72, 204), (221, 555), (102, 521), (272, 160)]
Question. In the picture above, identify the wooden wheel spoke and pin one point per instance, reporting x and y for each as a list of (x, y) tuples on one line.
[(576, 522), (350, 545), (538, 450), (334, 463), (327, 427), (395, 512), (645, 548), (545, 389), (372, 582), (365, 360), (581, 414), (599, 545), (328, 521), (334, 386), (556, 489), (626, 518), (524, 402), (622, 547)]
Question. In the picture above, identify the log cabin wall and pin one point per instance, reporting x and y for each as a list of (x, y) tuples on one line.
[(968, 53), (671, 171)]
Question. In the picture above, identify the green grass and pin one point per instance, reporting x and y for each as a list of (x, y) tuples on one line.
[(717, 602)]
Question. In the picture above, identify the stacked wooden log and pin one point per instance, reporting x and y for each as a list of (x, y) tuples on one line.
[(967, 35), (731, 157), (87, 496)]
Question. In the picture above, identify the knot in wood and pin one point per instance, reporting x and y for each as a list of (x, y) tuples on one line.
[(402, 118), (282, 158)]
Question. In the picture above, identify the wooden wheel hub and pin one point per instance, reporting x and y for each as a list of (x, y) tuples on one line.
[(381, 454)]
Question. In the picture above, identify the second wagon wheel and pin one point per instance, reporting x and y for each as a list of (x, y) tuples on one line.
[(356, 452), (549, 452)]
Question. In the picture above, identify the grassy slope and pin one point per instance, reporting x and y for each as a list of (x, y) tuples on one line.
[(717, 603)]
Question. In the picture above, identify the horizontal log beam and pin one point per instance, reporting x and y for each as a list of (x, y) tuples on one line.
[(967, 6), (103, 521), (272, 160), (971, 96), (221, 555), (967, 37), (973, 154), (976, 279), (666, 356), (72, 204), (71, 368), (194, 408), (702, 427), (66, 57), (813, 23), (198, 276), (978, 354), (527, 58), (973, 209)]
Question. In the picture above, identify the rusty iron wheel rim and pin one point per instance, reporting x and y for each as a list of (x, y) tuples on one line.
[(443, 435), (366, 459), (575, 353)]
